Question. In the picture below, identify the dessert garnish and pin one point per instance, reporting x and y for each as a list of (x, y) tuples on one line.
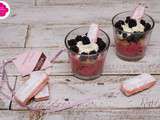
[(132, 31), (133, 27), (86, 53), (89, 43), (138, 12), (93, 32)]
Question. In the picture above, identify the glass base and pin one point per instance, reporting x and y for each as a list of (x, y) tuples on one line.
[(130, 58), (87, 78)]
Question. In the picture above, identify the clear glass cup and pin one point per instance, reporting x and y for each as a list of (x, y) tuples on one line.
[(128, 50), (87, 67)]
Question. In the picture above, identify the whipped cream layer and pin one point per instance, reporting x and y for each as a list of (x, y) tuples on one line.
[(87, 48), (138, 28)]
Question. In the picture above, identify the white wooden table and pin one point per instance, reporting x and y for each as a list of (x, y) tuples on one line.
[(43, 24)]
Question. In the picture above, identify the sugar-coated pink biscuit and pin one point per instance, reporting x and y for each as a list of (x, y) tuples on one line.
[(93, 32), (138, 12), (38, 80), (137, 84), (43, 94), (31, 60)]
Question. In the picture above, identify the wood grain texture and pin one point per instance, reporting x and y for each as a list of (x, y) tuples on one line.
[(121, 3), (43, 24), (124, 114), (54, 35), (82, 14), (105, 89), (19, 82), (135, 114), (21, 3), (14, 115), (114, 65), (4, 101), (12, 35), (77, 2)]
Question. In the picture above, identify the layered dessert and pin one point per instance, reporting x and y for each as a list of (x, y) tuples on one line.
[(87, 53), (131, 36), (130, 40)]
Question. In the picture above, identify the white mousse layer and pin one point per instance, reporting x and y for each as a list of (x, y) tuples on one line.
[(87, 48), (138, 28)]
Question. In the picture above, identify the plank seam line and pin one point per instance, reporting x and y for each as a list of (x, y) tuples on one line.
[(70, 75), (27, 35), (35, 2), (100, 109), (10, 105)]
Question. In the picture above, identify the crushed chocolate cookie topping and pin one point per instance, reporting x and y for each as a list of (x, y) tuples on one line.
[(131, 29)]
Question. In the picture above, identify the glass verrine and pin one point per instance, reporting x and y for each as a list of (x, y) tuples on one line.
[(87, 67), (132, 45)]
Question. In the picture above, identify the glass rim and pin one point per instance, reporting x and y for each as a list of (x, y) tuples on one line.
[(106, 48), (126, 16)]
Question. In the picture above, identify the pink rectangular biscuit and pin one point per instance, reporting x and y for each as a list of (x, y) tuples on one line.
[(138, 12), (43, 94), (31, 87), (137, 84), (93, 32), (31, 60)]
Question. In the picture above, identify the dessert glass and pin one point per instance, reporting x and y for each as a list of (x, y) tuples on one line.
[(86, 67), (131, 51)]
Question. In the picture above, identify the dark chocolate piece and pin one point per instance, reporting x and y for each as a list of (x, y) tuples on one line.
[(78, 38), (119, 32), (143, 22), (85, 40), (127, 19), (72, 42), (92, 52), (119, 24), (83, 53), (132, 23), (101, 44), (124, 35), (147, 27), (74, 49)]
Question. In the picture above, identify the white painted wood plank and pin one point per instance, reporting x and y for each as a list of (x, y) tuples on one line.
[(124, 114), (14, 115), (127, 114), (82, 14), (114, 65), (8, 53), (74, 90), (5, 102), (21, 3), (138, 114), (121, 3), (77, 2), (12, 35), (54, 35), (48, 36)]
